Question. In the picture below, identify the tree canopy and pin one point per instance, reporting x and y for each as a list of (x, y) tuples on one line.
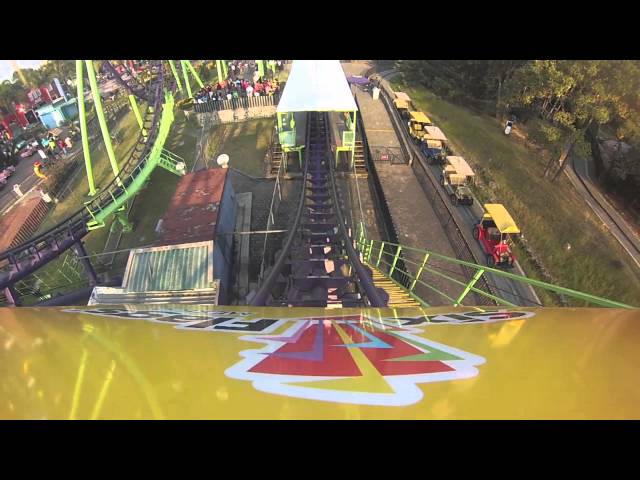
[(567, 96)]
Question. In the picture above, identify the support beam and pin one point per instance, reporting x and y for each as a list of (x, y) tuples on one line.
[(186, 78), (260, 68), (83, 256), (82, 114), (123, 219), (194, 73), (469, 286), (175, 75), (13, 299), (225, 70), (219, 70), (101, 119), (136, 112)]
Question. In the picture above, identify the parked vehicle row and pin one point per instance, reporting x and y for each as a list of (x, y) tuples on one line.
[(495, 230)]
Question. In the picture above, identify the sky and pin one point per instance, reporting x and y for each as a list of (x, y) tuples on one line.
[(7, 67)]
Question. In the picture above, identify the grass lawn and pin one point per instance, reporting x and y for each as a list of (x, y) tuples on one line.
[(246, 143), (152, 201), (551, 215), (102, 173)]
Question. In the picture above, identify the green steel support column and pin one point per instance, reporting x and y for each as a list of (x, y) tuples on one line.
[(469, 286), (83, 127), (260, 67), (103, 122), (225, 70), (136, 112), (415, 280), (219, 70), (380, 254), (186, 78), (395, 260), (194, 73), (121, 217), (175, 75)]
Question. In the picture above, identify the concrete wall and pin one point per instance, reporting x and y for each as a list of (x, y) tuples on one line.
[(223, 244)]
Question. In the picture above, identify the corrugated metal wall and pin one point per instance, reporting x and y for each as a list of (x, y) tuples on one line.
[(170, 269)]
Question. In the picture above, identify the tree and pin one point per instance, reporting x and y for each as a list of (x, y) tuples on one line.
[(63, 69), (500, 71), (10, 94)]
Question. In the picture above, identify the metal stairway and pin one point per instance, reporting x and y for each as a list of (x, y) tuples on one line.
[(398, 296), (277, 155), (358, 156)]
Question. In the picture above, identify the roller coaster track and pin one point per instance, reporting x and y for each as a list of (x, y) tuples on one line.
[(22, 260), (132, 84), (599, 205), (318, 264)]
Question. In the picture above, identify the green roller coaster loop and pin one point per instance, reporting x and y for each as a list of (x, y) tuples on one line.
[(156, 157), (131, 182), (172, 65), (374, 252)]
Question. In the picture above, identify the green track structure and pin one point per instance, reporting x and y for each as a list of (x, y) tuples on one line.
[(135, 180), (384, 257), (132, 182)]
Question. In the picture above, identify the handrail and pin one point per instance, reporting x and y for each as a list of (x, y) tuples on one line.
[(366, 245), (245, 102)]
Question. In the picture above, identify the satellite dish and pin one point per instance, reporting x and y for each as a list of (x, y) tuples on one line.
[(223, 160)]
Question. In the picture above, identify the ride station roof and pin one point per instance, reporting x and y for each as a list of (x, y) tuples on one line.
[(316, 86)]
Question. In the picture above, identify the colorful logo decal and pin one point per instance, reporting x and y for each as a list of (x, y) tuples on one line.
[(348, 359)]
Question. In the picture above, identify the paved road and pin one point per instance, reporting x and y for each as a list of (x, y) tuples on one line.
[(23, 176), (579, 176)]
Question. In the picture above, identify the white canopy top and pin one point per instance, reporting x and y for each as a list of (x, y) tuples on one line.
[(434, 133), (461, 166), (317, 86)]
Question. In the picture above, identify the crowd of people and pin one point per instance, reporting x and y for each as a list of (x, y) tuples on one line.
[(54, 146), (243, 81), (51, 148), (229, 89)]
